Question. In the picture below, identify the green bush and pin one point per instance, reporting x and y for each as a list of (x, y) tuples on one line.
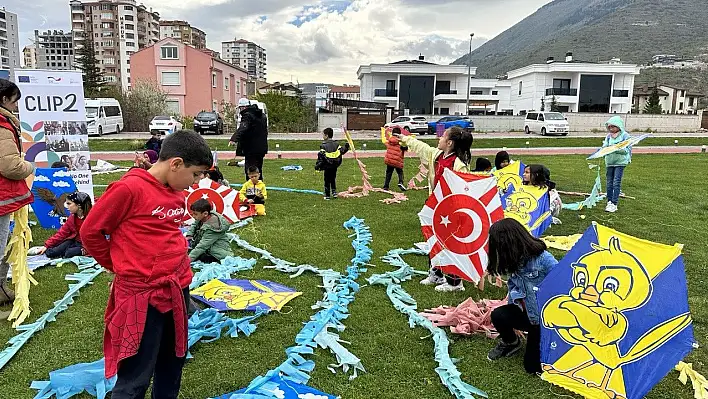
[(288, 114)]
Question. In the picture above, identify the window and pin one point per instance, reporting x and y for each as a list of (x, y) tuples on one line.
[(238, 87), (170, 78), (112, 110), (129, 26), (561, 84), (495, 93), (683, 93), (173, 106), (130, 35), (169, 52), (128, 17), (476, 92), (128, 8), (226, 83), (130, 44), (680, 106), (213, 80), (521, 87)]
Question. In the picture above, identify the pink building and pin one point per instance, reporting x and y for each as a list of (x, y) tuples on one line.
[(194, 80)]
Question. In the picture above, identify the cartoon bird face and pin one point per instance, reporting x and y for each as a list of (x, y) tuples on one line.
[(507, 181), (611, 278), (519, 206)]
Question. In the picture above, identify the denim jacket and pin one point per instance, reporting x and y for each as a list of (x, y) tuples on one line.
[(523, 283)]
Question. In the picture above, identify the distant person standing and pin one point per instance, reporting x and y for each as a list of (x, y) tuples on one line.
[(251, 137)]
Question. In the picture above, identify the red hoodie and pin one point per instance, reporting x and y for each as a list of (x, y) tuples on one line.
[(148, 254), (69, 231)]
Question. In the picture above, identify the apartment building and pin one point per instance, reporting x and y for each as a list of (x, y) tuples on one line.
[(247, 55), (29, 55), (9, 42), (118, 29), (184, 32), (54, 49)]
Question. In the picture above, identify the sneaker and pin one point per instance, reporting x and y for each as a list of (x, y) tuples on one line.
[(334, 195), (402, 187), (504, 350), (432, 280), (608, 208), (326, 197), (613, 208), (445, 287), (385, 188)]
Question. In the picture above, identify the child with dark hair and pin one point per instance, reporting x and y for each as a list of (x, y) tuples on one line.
[(501, 160), (59, 165), (146, 159), (66, 243), (452, 152), (254, 191), (214, 174), (208, 234), (146, 319), (514, 252), (154, 143), (540, 176), (394, 158), (482, 165), (328, 160)]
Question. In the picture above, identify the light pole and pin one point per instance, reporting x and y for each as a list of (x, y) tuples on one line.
[(469, 75)]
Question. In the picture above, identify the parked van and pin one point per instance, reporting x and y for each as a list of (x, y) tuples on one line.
[(103, 115), (546, 123)]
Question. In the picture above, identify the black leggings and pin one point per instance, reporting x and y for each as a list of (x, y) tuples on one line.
[(389, 175), (330, 181), (65, 250), (508, 318)]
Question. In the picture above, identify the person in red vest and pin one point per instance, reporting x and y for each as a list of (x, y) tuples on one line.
[(394, 158), (14, 192)]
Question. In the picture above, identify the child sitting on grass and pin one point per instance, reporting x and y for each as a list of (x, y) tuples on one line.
[(208, 234), (66, 243), (328, 160), (254, 191), (482, 165)]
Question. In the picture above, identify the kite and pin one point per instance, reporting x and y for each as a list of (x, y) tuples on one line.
[(455, 222), (252, 295), (615, 318), (510, 177), (531, 206), (630, 142), (223, 199), (276, 387), (50, 189)]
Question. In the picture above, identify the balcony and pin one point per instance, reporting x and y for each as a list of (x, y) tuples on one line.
[(385, 93), (620, 93), (557, 91), (437, 92)]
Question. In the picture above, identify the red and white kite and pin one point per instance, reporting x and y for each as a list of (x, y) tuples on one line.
[(456, 220), (224, 200)]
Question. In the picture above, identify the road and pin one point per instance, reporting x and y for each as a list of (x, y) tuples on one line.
[(224, 155), (373, 135)]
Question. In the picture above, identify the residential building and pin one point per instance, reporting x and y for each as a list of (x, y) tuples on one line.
[(118, 29), (184, 32), (29, 55), (576, 86), (247, 55), (321, 96), (346, 92), (212, 53), (673, 100), (184, 72), (287, 89), (54, 50), (9, 42), (420, 87)]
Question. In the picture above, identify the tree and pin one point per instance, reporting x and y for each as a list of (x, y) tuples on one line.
[(554, 104), (653, 105), (87, 63), (144, 101), (287, 114)]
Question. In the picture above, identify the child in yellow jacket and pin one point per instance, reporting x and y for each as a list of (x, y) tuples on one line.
[(254, 191)]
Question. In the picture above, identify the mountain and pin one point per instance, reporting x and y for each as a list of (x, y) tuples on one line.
[(597, 30)]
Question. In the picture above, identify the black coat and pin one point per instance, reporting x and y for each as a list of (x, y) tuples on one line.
[(330, 155), (251, 137)]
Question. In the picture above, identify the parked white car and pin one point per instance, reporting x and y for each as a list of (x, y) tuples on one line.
[(546, 123), (103, 115), (165, 125), (412, 123)]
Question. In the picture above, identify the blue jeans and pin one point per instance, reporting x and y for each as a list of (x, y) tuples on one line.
[(614, 183)]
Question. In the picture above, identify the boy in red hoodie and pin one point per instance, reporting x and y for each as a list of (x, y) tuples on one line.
[(146, 318)]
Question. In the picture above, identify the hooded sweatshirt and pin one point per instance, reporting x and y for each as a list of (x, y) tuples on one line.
[(620, 157), (209, 237), (251, 137), (148, 254)]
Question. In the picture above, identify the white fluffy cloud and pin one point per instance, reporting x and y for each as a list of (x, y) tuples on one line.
[(60, 183), (326, 40), (41, 178)]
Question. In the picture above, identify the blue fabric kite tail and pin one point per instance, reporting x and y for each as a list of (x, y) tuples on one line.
[(206, 272), (208, 325), (287, 190), (73, 380)]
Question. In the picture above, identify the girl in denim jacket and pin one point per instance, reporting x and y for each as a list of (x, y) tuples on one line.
[(516, 253)]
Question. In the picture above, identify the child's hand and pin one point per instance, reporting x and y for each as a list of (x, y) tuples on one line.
[(250, 201), (42, 250)]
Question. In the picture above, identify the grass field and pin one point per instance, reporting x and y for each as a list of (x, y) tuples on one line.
[(479, 142), (670, 207)]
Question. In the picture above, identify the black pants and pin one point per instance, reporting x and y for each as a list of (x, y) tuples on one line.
[(67, 249), (330, 181), (452, 280), (389, 174), (256, 161), (155, 360), (207, 258), (508, 318)]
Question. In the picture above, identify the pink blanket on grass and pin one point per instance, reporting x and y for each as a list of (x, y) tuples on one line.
[(467, 318)]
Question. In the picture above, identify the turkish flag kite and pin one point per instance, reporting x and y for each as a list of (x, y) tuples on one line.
[(224, 200), (456, 220)]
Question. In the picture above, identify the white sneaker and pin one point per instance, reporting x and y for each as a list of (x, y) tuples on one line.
[(432, 280), (613, 209), (445, 287), (608, 208)]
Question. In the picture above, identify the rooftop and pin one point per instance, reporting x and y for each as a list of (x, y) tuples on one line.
[(345, 89)]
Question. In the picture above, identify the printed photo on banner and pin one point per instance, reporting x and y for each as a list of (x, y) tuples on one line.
[(65, 128)]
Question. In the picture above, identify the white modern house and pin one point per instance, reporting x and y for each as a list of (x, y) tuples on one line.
[(576, 86), (423, 88), (673, 100)]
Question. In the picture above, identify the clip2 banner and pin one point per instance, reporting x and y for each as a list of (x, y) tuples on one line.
[(53, 119)]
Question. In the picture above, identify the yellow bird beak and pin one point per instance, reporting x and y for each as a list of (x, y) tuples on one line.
[(590, 294)]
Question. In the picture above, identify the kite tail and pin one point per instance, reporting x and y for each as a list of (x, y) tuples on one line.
[(699, 382), (16, 254)]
